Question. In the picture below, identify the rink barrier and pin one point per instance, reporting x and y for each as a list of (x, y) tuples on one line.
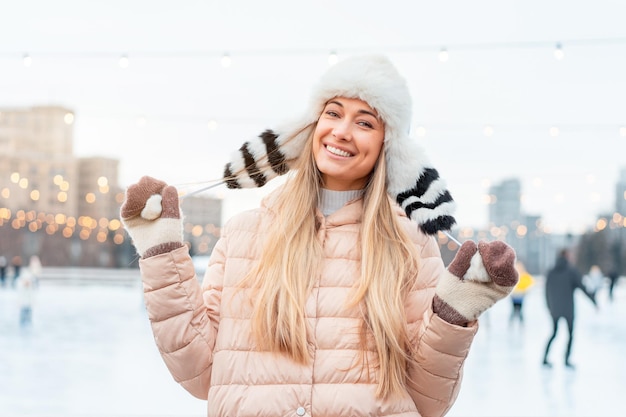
[(86, 276)]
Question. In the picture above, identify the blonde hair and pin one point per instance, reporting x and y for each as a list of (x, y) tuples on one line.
[(283, 278)]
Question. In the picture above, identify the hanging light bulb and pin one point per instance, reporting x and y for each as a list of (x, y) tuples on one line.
[(554, 131), (226, 61), (124, 62), (27, 60), (443, 55), (332, 58), (558, 52)]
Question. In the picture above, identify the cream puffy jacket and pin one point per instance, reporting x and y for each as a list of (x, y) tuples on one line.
[(203, 332)]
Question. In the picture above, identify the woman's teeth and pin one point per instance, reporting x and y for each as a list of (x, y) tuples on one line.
[(338, 152)]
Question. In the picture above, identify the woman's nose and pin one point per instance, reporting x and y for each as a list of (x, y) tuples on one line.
[(342, 131)]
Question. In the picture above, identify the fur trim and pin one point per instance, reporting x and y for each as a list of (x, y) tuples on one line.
[(412, 181)]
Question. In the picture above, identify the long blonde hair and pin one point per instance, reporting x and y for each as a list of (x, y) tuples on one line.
[(283, 278)]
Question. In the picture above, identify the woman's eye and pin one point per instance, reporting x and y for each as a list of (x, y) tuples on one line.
[(332, 113), (366, 124)]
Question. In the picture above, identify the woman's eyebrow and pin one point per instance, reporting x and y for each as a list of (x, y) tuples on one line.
[(362, 111)]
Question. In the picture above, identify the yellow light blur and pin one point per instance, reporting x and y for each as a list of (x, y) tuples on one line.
[(452, 246), (84, 234), (23, 183), (114, 224), (103, 181), (15, 177), (64, 186), (68, 118), (58, 179), (601, 224), (32, 227), (101, 237), (67, 232), (196, 231), (90, 198), (103, 222), (60, 218), (118, 239), (521, 230), (5, 213), (104, 189), (62, 196), (5, 193), (34, 195)]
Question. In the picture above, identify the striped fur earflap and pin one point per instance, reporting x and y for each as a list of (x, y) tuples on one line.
[(412, 181)]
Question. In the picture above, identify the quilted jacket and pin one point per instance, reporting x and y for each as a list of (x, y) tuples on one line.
[(203, 331)]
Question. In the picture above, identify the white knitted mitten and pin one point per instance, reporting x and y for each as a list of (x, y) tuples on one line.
[(476, 279), (151, 216)]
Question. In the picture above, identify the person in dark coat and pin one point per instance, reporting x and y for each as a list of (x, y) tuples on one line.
[(561, 282)]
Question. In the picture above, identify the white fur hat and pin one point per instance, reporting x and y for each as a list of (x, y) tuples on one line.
[(412, 181)]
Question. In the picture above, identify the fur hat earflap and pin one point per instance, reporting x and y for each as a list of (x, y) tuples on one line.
[(411, 179)]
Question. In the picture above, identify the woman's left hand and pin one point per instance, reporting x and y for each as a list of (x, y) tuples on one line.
[(476, 279)]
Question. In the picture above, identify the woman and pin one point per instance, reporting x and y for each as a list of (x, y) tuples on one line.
[(328, 300)]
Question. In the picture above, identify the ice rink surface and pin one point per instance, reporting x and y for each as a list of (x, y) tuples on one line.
[(90, 353)]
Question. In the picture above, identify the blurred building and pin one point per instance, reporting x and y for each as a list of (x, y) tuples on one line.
[(37, 165), (66, 209), (505, 209), (202, 220), (522, 231), (620, 193)]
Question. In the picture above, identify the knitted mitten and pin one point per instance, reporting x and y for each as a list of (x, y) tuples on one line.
[(151, 216), (477, 277)]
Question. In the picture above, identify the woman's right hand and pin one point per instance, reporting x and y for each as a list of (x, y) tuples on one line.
[(151, 215)]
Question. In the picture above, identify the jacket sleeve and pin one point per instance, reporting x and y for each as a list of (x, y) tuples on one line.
[(183, 327), (439, 349)]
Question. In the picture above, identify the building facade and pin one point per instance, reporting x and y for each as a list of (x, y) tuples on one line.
[(65, 209)]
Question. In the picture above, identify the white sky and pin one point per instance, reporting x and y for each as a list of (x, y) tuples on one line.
[(502, 73)]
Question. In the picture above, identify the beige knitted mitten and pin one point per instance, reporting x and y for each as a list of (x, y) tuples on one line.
[(478, 276), (151, 216)]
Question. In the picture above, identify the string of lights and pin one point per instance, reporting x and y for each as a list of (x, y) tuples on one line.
[(226, 56)]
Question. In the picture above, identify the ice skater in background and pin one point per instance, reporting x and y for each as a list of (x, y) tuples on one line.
[(526, 281), (561, 282), (26, 295)]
